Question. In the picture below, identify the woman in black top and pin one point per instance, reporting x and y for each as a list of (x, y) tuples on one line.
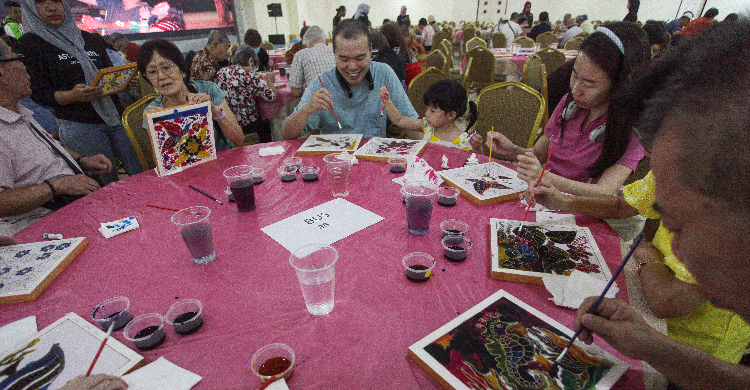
[(340, 13), (62, 62)]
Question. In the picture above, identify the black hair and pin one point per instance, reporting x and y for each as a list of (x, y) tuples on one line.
[(514, 15), (165, 49), (351, 29), (396, 38), (11, 3), (303, 31), (449, 95), (252, 38), (600, 49), (656, 34), (544, 16), (731, 18), (712, 12), (379, 42), (699, 94), (423, 22)]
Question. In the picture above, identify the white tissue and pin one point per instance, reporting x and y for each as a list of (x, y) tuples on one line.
[(417, 169), (161, 375), (271, 150), (572, 290)]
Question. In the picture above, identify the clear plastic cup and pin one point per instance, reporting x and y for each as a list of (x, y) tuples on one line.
[(240, 180), (269, 362), (146, 331), (420, 197), (195, 230), (295, 162), (454, 226), (339, 167), (259, 174), (418, 266), (309, 173), (397, 164), (185, 316), (448, 196), (456, 247), (115, 310), (316, 274), (287, 173)]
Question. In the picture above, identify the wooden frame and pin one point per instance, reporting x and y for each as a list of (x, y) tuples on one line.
[(115, 79), (474, 184), (504, 340), (323, 144), (565, 248), (70, 344), (26, 270), (381, 149), (182, 137)]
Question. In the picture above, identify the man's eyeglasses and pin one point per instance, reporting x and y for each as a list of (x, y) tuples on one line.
[(18, 57)]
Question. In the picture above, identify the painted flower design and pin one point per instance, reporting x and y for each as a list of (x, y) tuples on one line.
[(48, 248), (44, 256), (21, 254), (4, 270), (24, 271), (62, 246)]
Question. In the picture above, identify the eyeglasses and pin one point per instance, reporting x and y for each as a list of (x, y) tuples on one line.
[(18, 57), (166, 69)]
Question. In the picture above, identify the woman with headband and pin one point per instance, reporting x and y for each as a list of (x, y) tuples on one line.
[(595, 148)]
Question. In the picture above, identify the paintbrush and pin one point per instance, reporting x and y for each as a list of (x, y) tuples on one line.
[(528, 207), (557, 361), (489, 160), (161, 207), (333, 109), (209, 196), (383, 107), (101, 348)]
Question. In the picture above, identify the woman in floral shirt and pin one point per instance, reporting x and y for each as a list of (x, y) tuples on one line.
[(242, 87)]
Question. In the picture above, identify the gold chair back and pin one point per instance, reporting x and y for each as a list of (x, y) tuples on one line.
[(146, 87), (546, 38), (475, 42), (525, 42), (499, 40), (482, 72), (535, 76), (132, 121), (514, 109), (436, 59), (419, 85), (267, 45), (552, 58), (439, 36), (469, 33), (574, 43), (583, 35)]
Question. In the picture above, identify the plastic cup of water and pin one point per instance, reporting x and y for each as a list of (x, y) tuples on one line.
[(315, 266)]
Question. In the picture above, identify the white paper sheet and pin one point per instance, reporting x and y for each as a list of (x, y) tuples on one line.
[(11, 333), (161, 375), (570, 292), (322, 224), (552, 218), (271, 150)]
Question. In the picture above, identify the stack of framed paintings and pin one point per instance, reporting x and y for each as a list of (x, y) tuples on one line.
[(482, 187), (503, 343), (115, 79), (381, 149), (537, 250), (322, 144)]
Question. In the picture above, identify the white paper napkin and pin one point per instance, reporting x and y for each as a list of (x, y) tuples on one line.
[(271, 150), (417, 169), (278, 385), (161, 375), (13, 333), (111, 229), (578, 286)]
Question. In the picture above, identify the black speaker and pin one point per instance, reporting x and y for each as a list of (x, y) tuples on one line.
[(276, 39), (274, 10)]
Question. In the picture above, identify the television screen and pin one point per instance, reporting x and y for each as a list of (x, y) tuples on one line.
[(153, 17)]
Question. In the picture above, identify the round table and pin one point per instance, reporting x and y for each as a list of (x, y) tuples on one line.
[(250, 293)]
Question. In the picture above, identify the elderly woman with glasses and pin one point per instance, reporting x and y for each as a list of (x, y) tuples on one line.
[(164, 67), (62, 62)]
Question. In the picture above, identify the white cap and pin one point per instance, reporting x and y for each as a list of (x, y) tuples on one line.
[(504, 18)]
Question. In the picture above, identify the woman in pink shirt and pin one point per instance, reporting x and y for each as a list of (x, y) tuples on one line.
[(595, 148)]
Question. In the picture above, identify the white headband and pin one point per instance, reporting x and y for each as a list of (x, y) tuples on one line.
[(612, 37)]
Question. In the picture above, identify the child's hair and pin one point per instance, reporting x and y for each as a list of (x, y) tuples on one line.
[(449, 95)]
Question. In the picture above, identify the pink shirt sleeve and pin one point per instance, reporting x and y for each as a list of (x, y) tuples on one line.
[(633, 154)]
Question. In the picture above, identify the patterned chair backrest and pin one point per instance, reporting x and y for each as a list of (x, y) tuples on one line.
[(525, 42), (474, 43), (419, 85), (499, 40), (552, 58), (132, 121), (546, 38)]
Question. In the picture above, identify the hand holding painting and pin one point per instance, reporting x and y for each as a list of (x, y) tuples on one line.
[(553, 368)]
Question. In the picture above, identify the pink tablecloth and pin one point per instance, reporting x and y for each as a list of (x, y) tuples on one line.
[(268, 109), (250, 293)]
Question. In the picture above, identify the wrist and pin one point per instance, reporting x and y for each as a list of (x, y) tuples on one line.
[(220, 116), (51, 187), (78, 160), (643, 262)]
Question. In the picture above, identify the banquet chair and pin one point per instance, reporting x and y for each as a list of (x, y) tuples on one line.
[(439, 36), (436, 59), (267, 45), (525, 42), (499, 40), (482, 71), (449, 64), (475, 42), (419, 85), (146, 87), (535, 76), (546, 38), (132, 121), (573, 44), (514, 109), (552, 58), (583, 35)]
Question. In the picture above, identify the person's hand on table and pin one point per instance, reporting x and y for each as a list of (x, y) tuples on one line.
[(618, 324), (98, 163), (545, 194), (74, 185), (321, 100), (476, 143), (501, 144), (96, 382), (5, 241), (529, 169)]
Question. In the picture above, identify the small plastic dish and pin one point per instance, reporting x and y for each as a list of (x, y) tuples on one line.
[(418, 266), (309, 173), (295, 162), (454, 226), (287, 173), (397, 164), (185, 316), (258, 175), (273, 361), (447, 196), (456, 247), (146, 331), (115, 309)]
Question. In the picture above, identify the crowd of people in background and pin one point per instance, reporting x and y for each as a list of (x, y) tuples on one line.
[(594, 104)]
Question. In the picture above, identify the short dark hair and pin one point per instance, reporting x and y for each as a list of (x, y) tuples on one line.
[(702, 91), (685, 17), (165, 49), (423, 22), (655, 31), (379, 42), (253, 38), (543, 16), (449, 95), (10, 3), (396, 38), (350, 29), (514, 15), (303, 31), (712, 12)]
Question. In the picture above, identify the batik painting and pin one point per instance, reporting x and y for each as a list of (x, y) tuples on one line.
[(484, 186), (26, 269), (381, 149), (115, 79), (62, 351), (528, 251), (503, 343), (182, 137), (323, 144)]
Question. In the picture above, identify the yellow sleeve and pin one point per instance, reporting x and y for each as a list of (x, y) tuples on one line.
[(640, 195)]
